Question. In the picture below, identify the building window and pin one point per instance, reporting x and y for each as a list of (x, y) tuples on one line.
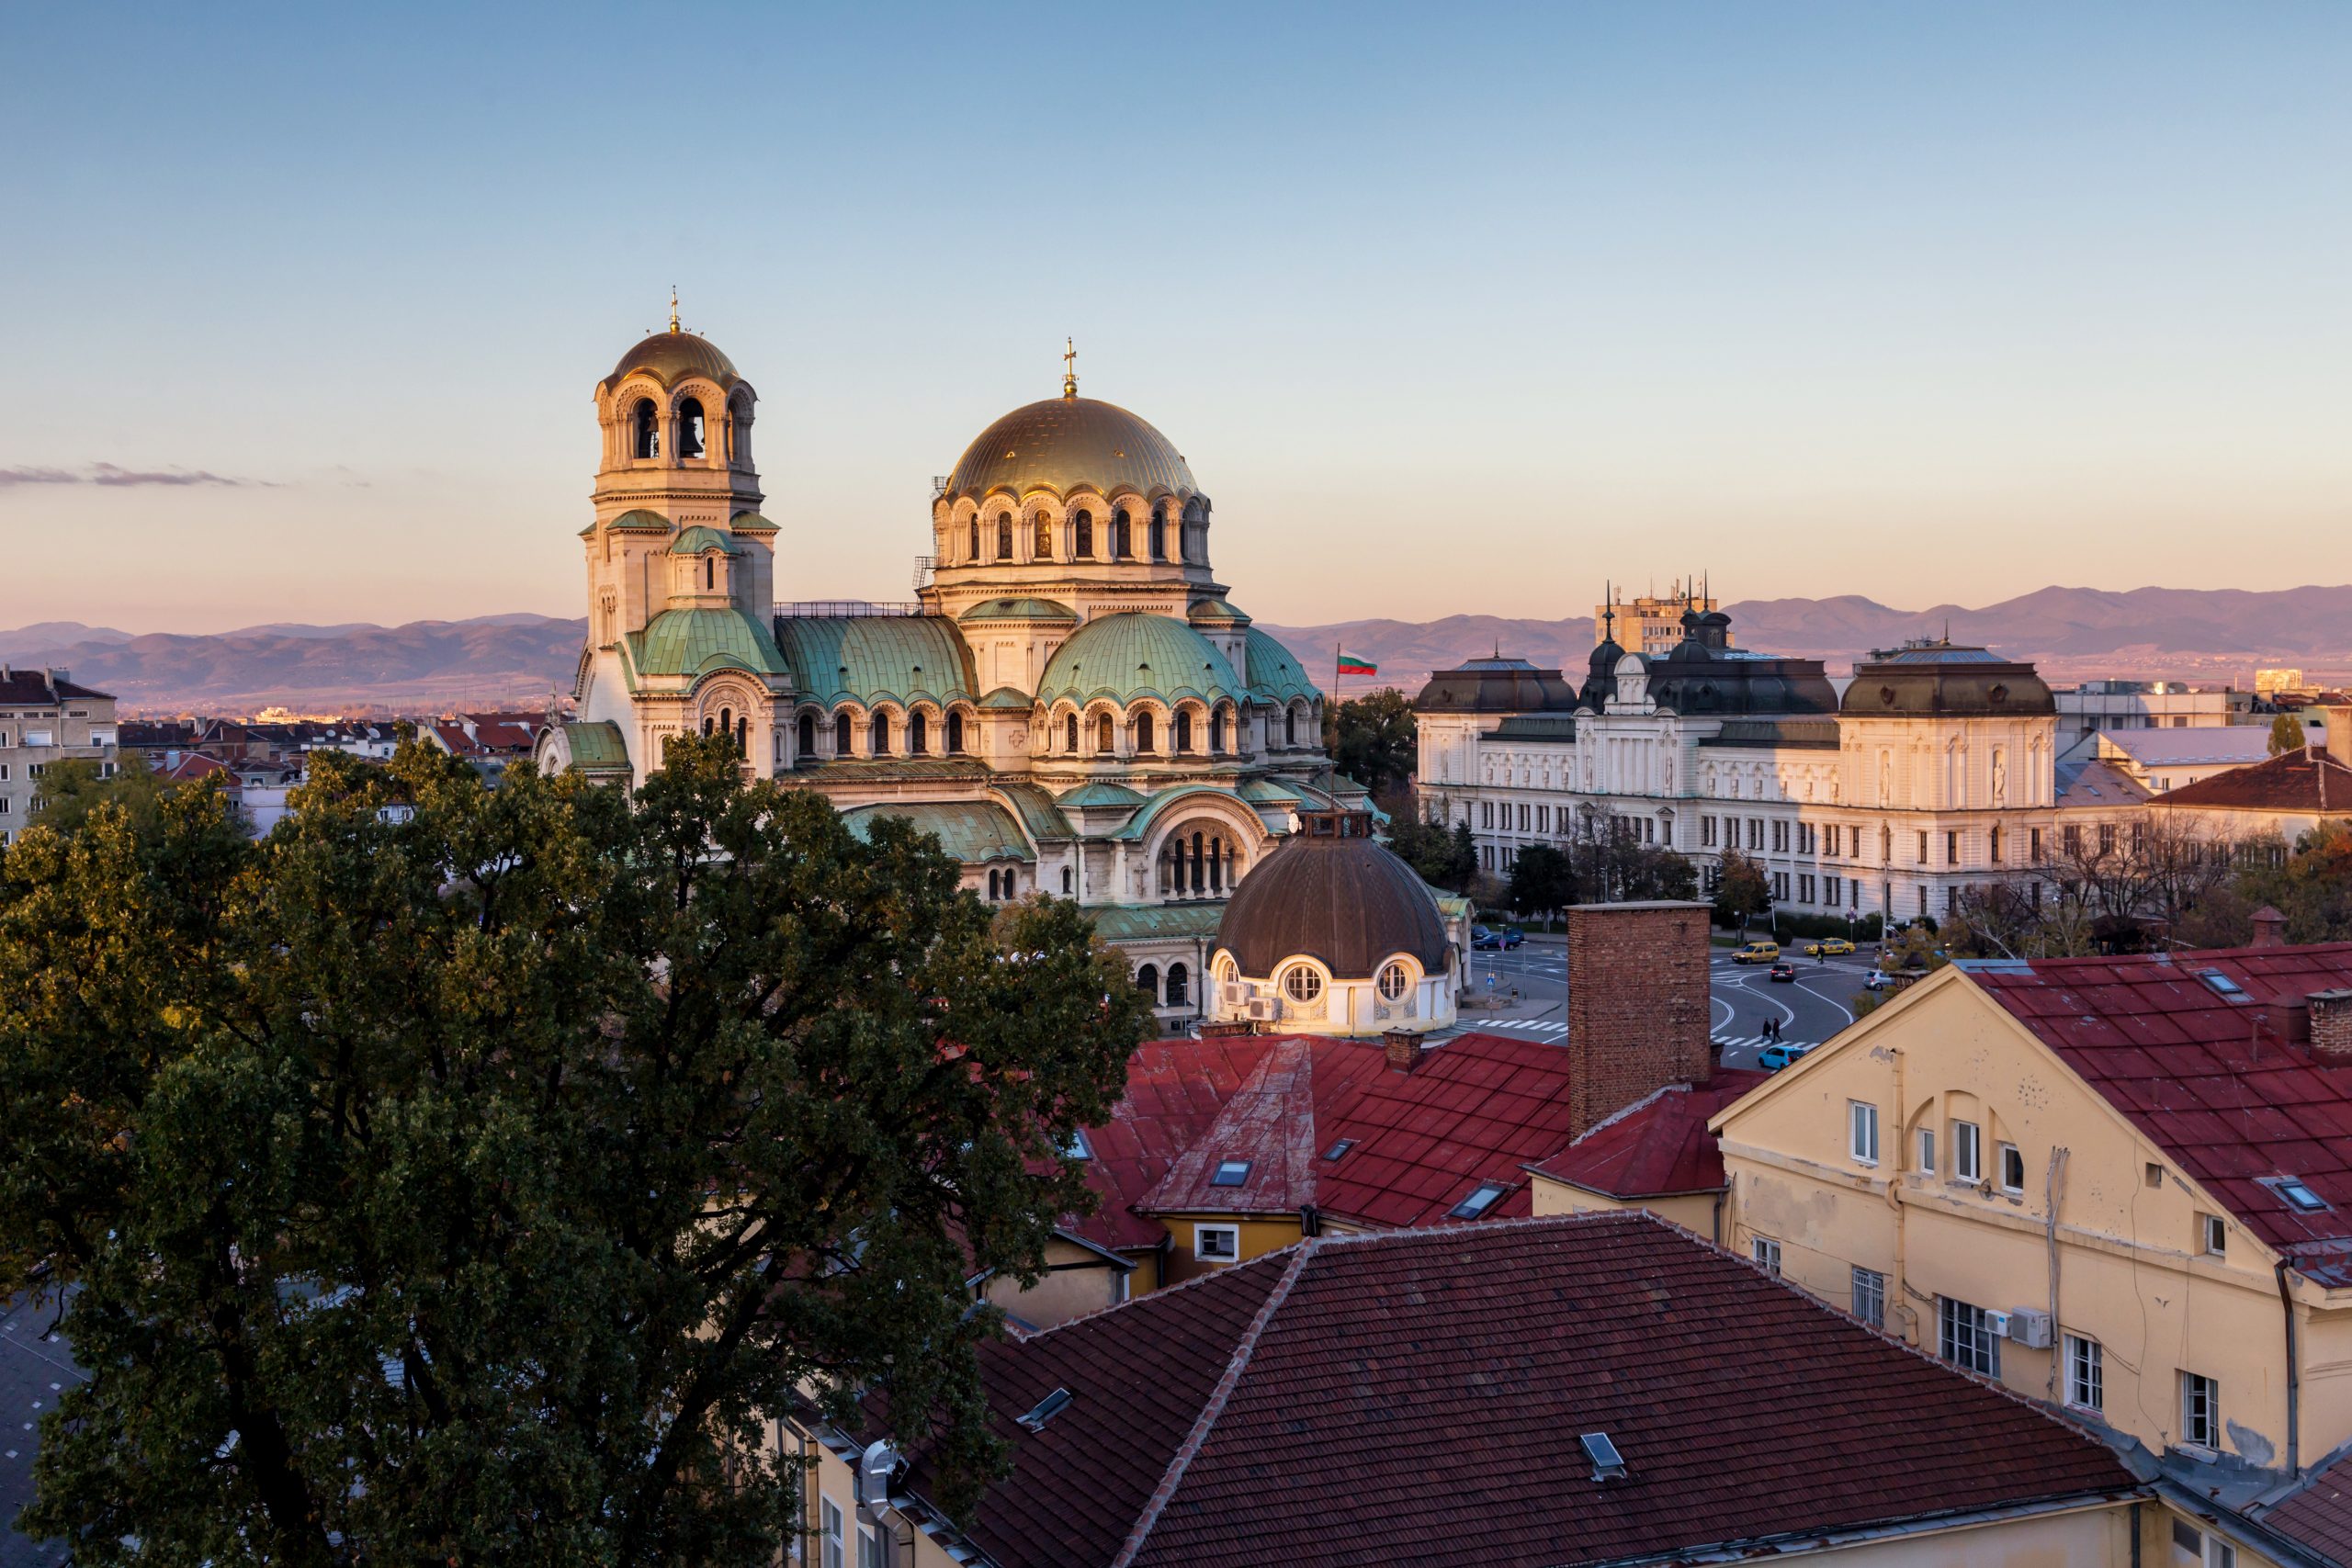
[(1085, 549), (1767, 1252), (1177, 979), (2086, 1373), (1158, 534), (1119, 541), (881, 735), (1105, 737), (917, 734), (1217, 732), (954, 734), (1923, 846), (1706, 833), (972, 551), (1481, 1200), (1143, 733), (647, 424), (1004, 535), (2212, 1236), (869, 1548), (1951, 849), (1862, 1128), (1217, 1243), (1303, 985), (1965, 1339), (2012, 1168), (1183, 730), (1230, 1173), (2033, 845), (1992, 845), (840, 734), (2200, 1411), (1870, 1297), (1393, 982), (833, 1522), (1041, 540), (1926, 1151), (1966, 1153)]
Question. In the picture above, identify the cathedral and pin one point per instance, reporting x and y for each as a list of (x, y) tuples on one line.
[(1070, 704)]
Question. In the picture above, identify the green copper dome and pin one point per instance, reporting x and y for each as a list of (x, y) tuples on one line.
[(1134, 655), (698, 539), (1274, 675)]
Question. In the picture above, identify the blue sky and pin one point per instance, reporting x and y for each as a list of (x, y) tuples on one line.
[(1452, 309)]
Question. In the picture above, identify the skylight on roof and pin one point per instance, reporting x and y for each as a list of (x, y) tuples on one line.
[(1230, 1173), (2223, 985), (1075, 1147), (1047, 1409), (1607, 1465), (2300, 1197), (1478, 1202), (1335, 1150)]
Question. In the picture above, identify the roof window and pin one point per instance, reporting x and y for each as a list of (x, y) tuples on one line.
[(1335, 1150), (1230, 1173), (2223, 985), (2300, 1197), (1607, 1465), (1075, 1147), (1478, 1202), (1047, 1409)]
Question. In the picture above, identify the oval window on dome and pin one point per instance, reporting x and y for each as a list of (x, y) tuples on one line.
[(1393, 982), (1303, 985)]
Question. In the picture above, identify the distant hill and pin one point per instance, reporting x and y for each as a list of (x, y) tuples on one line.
[(2210, 635)]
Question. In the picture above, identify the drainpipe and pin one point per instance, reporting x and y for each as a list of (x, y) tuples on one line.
[(2294, 1376), (2053, 1183)]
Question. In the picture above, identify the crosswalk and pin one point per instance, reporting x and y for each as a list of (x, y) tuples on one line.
[(1523, 1026), (1553, 1028), (1731, 1042)]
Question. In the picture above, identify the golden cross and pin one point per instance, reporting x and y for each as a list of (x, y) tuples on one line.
[(1070, 368)]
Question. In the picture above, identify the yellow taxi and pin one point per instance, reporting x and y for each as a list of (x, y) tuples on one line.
[(1828, 947), (1757, 952)]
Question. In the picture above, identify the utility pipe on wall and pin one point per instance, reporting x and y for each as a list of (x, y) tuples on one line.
[(2294, 1376)]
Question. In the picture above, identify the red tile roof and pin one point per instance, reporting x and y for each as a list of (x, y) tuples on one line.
[(2213, 1081), (1175, 1088), (1476, 1110), (1440, 1380), (2318, 1513), (2305, 779), (1654, 1147)]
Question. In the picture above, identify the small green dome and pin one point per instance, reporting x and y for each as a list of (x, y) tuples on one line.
[(1137, 655), (1101, 792), (750, 522), (1274, 675), (698, 539), (1216, 612), (641, 518)]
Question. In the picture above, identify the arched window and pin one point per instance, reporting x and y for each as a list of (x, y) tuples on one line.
[(709, 572), (1394, 983), (1290, 727), (1303, 985), (1178, 983), (707, 726), (1200, 873), (1216, 865), (1084, 550), (1070, 745), (1225, 969), (918, 733), (1147, 981), (690, 428), (881, 734), (1119, 541), (1065, 882), (974, 553), (743, 737), (808, 735), (1217, 732), (954, 734), (1041, 543), (1183, 730), (840, 733), (1004, 535), (1105, 741), (1159, 533), (991, 887), (1143, 732), (648, 421), (727, 722)]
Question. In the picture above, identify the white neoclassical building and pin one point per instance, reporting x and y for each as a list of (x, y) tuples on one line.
[(1070, 703), (1934, 771)]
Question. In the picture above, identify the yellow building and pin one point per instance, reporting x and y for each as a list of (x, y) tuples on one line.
[(2121, 1186)]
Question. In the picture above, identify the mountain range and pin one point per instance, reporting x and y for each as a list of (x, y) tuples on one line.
[(2212, 635)]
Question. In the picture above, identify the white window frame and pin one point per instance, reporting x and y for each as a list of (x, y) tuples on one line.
[(1861, 1130), (1967, 1152), (2213, 1235), (1926, 1151), (2200, 1411), (2007, 1152), (1964, 1340), (1766, 1251), (831, 1546), (1867, 1296), (869, 1548), (1233, 1238), (2085, 1375)]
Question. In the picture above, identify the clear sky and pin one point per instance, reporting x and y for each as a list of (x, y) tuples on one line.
[(1452, 308)]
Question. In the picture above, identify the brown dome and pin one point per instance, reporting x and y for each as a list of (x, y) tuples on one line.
[(1331, 893), (672, 356), (1064, 443), (1947, 679)]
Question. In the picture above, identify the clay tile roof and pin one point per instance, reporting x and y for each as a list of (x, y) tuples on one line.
[(2210, 1078), (1440, 1380), (1175, 1089), (2305, 780), (1655, 1147), (2319, 1512)]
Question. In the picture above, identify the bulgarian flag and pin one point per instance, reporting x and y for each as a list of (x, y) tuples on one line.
[(1350, 665)]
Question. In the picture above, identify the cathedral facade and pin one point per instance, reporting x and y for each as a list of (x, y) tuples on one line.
[(1071, 703)]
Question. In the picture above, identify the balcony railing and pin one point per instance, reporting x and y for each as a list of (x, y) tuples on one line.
[(926, 569), (845, 609)]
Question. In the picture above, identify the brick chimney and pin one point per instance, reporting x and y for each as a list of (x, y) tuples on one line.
[(2332, 1023), (1638, 1015), (2269, 928), (1404, 1049)]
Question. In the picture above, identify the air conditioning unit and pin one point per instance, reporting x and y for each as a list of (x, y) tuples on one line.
[(1996, 1324), (2030, 1326), (1234, 993), (1263, 1009)]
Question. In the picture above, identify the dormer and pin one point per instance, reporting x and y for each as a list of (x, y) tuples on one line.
[(702, 563)]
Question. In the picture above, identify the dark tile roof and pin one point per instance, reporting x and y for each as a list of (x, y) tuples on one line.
[(2215, 1082), (1655, 1147), (1413, 1396), (2318, 1514), (41, 688), (2305, 779)]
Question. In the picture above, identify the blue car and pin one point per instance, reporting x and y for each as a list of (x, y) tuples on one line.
[(1486, 937), (1772, 1059)]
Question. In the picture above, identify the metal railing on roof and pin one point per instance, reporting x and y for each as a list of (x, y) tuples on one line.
[(845, 609), (926, 571)]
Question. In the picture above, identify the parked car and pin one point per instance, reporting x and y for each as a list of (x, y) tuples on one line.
[(1772, 1059), (1513, 937), (1828, 947), (1757, 952), (1875, 981), (1783, 972), (1490, 938)]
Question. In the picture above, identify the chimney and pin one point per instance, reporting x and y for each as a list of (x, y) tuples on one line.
[(2332, 1025), (1637, 1004), (1404, 1049), (2269, 928)]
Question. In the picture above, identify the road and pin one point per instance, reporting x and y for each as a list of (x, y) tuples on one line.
[(1815, 1006)]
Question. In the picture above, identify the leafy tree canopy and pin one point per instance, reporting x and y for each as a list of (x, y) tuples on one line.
[(1372, 739), (469, 1189), (70, 789), (1741, 890), (1441, 856), (2286, 734)]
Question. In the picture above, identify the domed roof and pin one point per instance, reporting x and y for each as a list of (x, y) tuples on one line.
[(670, 356), (1069, 442), (698, 539), (1947, 679), (1275, 674), (1333, 893), (1019, 609), (1137, 655), (1496, 685)]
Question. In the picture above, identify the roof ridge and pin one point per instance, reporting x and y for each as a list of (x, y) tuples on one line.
[(1215, 1406), (1198, 1281)]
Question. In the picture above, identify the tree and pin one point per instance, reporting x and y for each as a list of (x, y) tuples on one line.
[(469, 1188), (1542, 880), (1372, 739), (2286, 734), (1742, 891), (1440, 857), (70, 789)]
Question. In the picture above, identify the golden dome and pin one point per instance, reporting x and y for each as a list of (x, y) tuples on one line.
[(1065, 443), (672, 356)]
